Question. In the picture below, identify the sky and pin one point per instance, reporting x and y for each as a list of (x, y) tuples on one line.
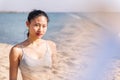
[(61, 5)]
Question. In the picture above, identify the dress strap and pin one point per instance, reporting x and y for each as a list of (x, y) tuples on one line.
[(22, 49), (47, 50), (22, 52)]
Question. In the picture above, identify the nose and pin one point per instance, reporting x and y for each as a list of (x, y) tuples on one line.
[(40, 28)]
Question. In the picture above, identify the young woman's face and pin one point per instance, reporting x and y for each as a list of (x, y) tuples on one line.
[(37, 27)]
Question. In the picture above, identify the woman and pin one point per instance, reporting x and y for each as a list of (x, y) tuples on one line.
[(35, 57)]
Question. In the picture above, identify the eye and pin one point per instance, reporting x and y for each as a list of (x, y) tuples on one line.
[(44, 26), (36, 25)]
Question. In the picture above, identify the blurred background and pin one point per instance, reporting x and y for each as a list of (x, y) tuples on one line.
[(61, 6), (87, 34)]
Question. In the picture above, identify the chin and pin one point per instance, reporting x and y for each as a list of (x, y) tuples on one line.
[(39, 37)]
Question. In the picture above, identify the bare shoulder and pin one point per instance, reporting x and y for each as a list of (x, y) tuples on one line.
[(51, 43), (15, 51), (52, 46)]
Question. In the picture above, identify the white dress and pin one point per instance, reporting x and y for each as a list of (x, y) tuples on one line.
[(34, 69)]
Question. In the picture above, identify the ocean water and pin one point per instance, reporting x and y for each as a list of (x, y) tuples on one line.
[(88, 43), (13, 28)]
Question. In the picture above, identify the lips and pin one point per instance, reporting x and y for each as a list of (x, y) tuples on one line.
[(38, 34)]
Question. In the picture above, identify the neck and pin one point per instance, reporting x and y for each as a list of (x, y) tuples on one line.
[(34, 41)]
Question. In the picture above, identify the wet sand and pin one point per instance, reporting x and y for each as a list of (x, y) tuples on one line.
[(79, 44)]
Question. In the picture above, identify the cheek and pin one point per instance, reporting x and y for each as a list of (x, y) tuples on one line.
[(32, 30), (45, 29)]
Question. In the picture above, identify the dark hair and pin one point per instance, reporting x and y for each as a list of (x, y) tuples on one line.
[(35, 13)]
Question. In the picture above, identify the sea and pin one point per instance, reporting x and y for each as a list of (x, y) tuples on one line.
[(13, 26), (89, 44)]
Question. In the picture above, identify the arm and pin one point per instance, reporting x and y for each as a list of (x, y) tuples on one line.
[(54, 55), (14, 62)]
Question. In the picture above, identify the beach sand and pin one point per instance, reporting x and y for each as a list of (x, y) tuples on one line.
[(77, 45), (4, 62)]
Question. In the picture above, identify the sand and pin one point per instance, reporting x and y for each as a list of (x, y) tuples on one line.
[(77, 45)]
